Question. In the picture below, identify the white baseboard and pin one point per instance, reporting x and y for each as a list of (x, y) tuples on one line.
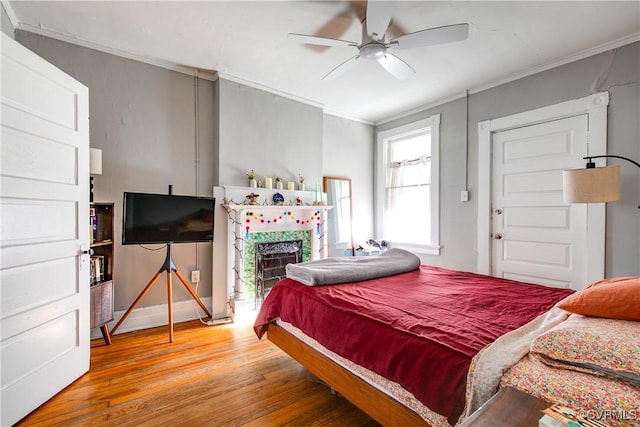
[(157, 315)]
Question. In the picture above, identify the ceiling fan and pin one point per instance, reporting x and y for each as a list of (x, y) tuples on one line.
[(374, 47)]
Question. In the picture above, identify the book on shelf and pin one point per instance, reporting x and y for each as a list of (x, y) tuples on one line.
[(93, 225), (96, 270)]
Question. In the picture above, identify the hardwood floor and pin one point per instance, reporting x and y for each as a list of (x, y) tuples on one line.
[(210, 375)]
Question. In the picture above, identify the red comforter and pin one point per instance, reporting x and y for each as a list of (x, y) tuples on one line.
[(420, 329)]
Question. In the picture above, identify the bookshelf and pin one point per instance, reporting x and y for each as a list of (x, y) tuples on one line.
[(102, 266)]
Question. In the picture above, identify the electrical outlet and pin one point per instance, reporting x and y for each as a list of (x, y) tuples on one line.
[(195, 276)]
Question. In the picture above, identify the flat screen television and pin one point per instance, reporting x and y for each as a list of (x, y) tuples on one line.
[(162, 218)]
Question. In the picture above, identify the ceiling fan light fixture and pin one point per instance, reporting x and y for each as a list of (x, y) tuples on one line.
[(373, 45), (373, 51)]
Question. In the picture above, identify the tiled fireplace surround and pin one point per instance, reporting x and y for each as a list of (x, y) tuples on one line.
[(247, 225)]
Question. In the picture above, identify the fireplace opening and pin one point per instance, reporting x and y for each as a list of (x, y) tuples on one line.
[(271, 260)]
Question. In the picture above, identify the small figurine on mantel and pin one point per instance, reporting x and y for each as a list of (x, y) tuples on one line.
[(251, 197), (298, 201), (225, 200)]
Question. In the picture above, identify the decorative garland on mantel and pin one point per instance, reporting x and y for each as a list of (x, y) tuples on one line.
[(285, 217)]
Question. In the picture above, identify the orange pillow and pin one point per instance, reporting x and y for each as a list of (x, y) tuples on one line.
[(616, 298)]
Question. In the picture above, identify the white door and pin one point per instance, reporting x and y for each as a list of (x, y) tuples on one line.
[(44, 202), (537, 238)]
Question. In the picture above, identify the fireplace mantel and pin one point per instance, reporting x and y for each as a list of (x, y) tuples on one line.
[(278, 207), (247, 224)]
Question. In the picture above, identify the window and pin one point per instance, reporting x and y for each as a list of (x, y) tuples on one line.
[(407, 186)]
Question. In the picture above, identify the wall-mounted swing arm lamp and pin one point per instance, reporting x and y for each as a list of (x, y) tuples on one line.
[(593, 185)]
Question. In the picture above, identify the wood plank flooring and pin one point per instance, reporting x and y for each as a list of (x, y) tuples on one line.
[(209, 376)]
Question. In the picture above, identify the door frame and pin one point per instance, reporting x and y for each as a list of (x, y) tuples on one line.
[(595, 107)]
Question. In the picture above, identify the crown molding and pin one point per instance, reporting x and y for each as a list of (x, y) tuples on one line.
[(529, 72), (419, 109), (563, 61), (344, 116), (271, 90), (215, 75), (191, 71)]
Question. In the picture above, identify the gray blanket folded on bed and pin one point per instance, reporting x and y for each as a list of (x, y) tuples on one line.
[(331, 271)]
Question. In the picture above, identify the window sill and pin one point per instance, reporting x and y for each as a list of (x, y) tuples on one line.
[(418, 249)]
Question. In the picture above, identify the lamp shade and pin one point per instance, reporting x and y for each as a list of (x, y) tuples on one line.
[(95, 161), (591, 185)]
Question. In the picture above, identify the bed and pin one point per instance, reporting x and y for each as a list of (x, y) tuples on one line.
[(422, 347)]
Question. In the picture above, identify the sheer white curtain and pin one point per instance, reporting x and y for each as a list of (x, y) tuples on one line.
[(408, 204)]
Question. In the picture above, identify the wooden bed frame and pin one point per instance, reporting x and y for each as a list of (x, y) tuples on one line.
[(375, 403)]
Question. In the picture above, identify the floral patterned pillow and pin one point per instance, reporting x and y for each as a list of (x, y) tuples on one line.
[(594, 345)]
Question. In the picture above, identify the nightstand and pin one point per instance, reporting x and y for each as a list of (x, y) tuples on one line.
[(509, 407)]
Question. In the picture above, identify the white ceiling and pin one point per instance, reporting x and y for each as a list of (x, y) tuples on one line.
[(247, 42)]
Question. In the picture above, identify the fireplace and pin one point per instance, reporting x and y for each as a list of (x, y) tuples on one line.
[(256, 241), (261, 227), (271, 261)]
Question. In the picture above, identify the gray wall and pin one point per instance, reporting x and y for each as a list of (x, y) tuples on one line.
[(616, 71), (347, 147), (273, 135), (143, 119), (457, 219)]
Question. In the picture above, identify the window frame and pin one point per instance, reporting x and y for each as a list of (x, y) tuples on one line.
[(433, 122)]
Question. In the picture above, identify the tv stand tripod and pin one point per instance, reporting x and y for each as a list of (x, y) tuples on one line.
[(168, 266)]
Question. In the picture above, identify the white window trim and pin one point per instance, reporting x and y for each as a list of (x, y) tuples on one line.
[(595, 106), (433, 248)]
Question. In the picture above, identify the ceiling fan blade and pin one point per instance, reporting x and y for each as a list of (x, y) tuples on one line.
[(378, 18), (432, 36), (334, 28), (341, 69), (322, 41), (396, 66), (395, 30)]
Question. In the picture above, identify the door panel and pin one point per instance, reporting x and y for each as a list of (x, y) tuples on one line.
[(546, 254), (44, 276), (551, 217), (43, 95), (536, 236), (38, 221), (31, 157), (21, 289)]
